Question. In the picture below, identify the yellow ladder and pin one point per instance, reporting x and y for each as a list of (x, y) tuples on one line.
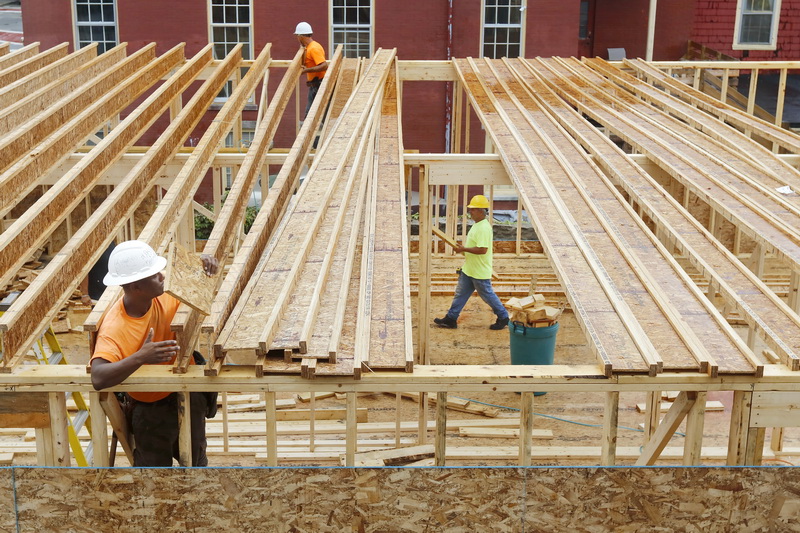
[(48, 352)]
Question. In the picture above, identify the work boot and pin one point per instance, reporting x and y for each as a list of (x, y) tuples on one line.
[(500, 324), (446, 322)]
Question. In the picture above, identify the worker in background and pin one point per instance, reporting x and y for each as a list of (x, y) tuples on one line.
[(136, 331), (476, 274), (313, 61)]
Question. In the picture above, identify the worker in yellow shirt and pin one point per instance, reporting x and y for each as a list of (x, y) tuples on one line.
[(476, 274), (313, 61)]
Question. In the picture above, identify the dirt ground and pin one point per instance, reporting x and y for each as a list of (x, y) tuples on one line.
[(574, 418)]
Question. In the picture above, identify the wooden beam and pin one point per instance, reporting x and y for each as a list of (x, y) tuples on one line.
[(32, 64), (27, 98), (104, 223), (184, 429), (100, 456), (610, 423), (695, 419), (58, 428), (17, 56), (525, 429), (35, 225), (119, 424), (74, 117), (666, 429), (440, 446), (251, 250)]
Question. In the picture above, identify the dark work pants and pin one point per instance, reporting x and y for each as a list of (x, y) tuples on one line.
[(313, 88), (155, 431)]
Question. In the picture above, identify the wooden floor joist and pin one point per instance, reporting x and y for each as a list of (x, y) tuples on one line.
[(762, 219), (250, 252), (737, 283), (64, 196)]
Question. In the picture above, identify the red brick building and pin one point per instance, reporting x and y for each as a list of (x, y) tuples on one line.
[(426, 29)]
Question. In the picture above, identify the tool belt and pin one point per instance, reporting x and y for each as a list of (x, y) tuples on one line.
[(314, 82)]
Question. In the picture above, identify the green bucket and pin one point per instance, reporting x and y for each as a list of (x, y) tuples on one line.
[(532, 346)]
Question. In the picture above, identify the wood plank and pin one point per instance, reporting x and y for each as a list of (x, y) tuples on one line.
[(279, 270), (33, 82), (251, 250), (186, 279), (711, 405), (652, 450), (597, 314), (31, 102), (74, 117), (19, 55), (32, 64), (24, 410)]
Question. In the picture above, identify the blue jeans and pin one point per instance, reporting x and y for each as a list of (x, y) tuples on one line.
[(466, 286)]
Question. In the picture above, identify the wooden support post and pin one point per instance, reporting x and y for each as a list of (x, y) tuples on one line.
[(755, 446), (794, 292), (441, 429), (525, 429), (680, 407), (312, 406), (740, 428), (776, 440), (184, 428), (44, 447), (58, 428), (651, 422), (424, 276), (737, 241), (398, 399), (272, 429), (757, 260), (610, 424), (781, 96), (118, 422), (693, 443), (225, 435), (99, 431), (422, 437), (352, 430)]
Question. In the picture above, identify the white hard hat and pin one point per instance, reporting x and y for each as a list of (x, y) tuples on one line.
[(303, 28), (132, 261)]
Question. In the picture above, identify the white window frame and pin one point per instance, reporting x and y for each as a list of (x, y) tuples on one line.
[(369, 28), (773, 38), (523, 8), (211, 25), (79, 24)]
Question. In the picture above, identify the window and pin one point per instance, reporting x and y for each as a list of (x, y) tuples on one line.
[(352, 27), (231, 25), (96, 21), (756, 24), (502, 28)]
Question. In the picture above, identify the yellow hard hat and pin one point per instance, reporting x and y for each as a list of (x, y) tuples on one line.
[(478, 201)]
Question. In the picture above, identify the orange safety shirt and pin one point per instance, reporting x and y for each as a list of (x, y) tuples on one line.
[(315, 55), (121, 335)]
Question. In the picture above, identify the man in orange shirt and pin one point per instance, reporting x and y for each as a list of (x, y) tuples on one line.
[(136, 331), (313, 59)]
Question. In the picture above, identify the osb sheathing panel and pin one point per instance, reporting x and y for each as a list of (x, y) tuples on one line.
[(8, 519), (415, 499)]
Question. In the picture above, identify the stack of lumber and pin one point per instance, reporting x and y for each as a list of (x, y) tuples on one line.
[(326, 297), (532, 311)]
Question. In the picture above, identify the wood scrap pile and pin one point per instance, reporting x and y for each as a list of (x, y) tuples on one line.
[(532, 312)]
